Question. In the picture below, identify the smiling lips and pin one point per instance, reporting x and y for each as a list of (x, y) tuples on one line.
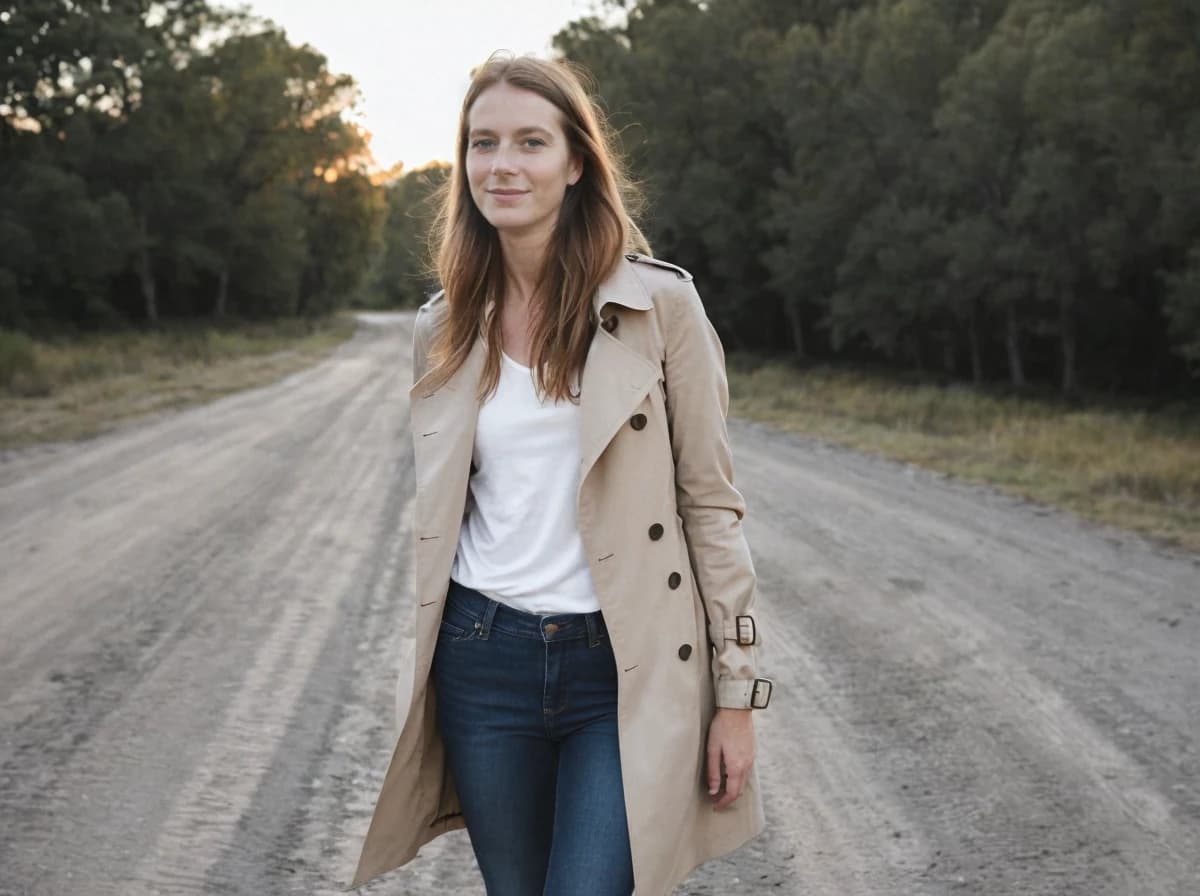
[(507, 194)]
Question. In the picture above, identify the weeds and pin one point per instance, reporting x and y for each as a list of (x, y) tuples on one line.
[(73, 387), (1124, 465)]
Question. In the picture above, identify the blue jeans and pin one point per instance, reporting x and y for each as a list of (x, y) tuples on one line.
[(527, 707)]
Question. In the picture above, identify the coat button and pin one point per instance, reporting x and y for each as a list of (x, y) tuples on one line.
[(609, 323), (638, 421), (673, 580), (656, 532), (685, 651)]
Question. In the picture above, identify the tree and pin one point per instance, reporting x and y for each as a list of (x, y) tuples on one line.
[(403, 277)]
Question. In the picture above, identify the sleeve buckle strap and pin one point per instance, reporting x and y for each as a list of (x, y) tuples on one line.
[(760, 694), (742, 630)]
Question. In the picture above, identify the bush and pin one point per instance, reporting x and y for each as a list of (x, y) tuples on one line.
[(19, 372)]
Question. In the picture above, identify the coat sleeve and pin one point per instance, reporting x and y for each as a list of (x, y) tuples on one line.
[(697, 396)]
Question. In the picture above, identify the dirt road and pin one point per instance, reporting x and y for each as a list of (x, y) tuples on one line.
[(201, 616)]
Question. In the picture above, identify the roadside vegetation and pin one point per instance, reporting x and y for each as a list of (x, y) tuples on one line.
[(78, 386), (1120, 463), (1001, 191), (1004, 192)]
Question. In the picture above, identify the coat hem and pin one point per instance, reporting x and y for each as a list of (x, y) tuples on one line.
[(716, 850)]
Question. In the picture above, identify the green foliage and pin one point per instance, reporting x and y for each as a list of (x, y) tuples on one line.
[(403, 276), (1183, 308), (17, 361), (50, 215), (168, 160), (994, 188)]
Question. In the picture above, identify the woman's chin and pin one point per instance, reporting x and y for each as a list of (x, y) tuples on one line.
[(513, 225)]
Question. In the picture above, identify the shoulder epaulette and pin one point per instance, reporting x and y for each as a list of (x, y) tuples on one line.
[(658, 262), (433, 300)]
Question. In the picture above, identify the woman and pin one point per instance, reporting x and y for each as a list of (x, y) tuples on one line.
[(584, 671)]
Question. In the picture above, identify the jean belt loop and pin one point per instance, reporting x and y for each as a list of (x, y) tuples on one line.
[(489, 613), (595, 628)]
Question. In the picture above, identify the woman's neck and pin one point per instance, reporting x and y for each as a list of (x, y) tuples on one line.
[(523, 255)]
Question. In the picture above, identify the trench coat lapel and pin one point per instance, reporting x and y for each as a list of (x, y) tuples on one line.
[(615, 378), (443, 422), (443, 431)]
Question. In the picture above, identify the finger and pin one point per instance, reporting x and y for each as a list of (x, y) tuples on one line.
[(734, 782), (714, 769)]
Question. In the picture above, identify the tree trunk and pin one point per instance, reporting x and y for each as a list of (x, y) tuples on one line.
[(222, 306), (1067, 342), (145, 271), (949, 356), (1016, 370), (976, 345), (792, 310), (916, 352)]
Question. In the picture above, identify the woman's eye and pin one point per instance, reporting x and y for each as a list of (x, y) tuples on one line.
[(535, 141), (482, 143)]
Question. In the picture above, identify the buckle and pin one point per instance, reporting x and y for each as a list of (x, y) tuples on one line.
[(747, 631), (760, 694)]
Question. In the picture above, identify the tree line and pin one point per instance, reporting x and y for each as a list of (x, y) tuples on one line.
[(995, 190), (990, 189), (165, 158)]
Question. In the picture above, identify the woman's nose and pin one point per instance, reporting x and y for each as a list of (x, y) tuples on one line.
[(502, 161)]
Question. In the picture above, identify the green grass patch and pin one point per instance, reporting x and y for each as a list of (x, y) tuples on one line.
[(1124, 465), (76, 386)]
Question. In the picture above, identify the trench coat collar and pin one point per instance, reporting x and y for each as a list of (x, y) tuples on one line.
[(623, 287), (614, 381), (615, 378)]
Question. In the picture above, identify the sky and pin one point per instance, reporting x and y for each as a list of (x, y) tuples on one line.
[(412, 59)]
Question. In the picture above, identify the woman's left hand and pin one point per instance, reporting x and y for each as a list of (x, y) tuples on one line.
[(730, 754)]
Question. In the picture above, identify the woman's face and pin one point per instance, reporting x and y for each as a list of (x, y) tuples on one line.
[(518, 162)]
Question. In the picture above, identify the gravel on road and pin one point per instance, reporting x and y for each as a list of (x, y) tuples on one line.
[(202, 616)]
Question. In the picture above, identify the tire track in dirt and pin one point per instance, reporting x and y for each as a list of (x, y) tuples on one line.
[(916, 623), (204, 615), (232, 570)]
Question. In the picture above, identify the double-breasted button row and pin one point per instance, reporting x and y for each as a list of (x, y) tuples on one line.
[(674, 580)]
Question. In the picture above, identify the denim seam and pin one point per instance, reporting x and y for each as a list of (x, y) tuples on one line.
[(547, 710)]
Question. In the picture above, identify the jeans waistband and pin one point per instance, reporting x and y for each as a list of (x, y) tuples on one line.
[(490, 614)]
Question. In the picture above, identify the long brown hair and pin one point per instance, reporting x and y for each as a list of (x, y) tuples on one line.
[(595, 226)]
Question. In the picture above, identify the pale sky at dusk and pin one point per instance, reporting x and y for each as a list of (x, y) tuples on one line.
[(412, 59)]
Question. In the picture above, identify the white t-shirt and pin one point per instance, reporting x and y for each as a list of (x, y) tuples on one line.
[(520, 543)]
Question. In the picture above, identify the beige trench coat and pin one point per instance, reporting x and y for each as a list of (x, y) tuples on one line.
[(661, 523)]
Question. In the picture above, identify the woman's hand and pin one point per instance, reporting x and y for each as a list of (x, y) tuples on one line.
[(730, 754)]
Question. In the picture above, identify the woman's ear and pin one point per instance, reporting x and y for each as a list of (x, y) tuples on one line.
[(574, 171)]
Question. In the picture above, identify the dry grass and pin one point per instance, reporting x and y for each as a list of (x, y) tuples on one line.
[(1129, 467), (1133, 468), (79, 387)]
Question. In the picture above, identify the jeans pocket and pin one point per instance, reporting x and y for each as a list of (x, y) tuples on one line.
[(461, 620), (457, 629)]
